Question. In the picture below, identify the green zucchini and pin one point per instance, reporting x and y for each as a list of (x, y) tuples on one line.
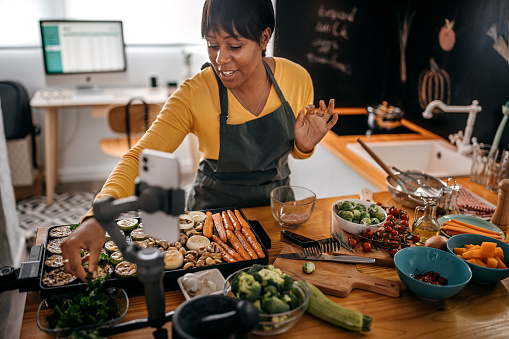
[(322, 307)]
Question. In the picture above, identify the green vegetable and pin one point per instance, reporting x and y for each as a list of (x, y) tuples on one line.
[(245, 287), (322, 307), (359, 213), (74, 226), (308, 267), (270, 290), (93, 306)]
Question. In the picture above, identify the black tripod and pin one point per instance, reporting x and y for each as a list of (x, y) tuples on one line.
[(149, 260)]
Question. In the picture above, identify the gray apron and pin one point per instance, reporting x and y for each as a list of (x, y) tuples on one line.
[(253, 158)]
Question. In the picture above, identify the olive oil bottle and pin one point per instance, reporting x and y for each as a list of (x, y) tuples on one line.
[(427, 225)]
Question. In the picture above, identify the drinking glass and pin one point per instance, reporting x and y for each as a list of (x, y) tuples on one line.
[(480, 160)]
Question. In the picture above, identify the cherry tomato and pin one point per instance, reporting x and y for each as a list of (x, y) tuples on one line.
[(404, 216), (416, 238), (394, 233), (352, 242), (394, 244), (369, 233), (401, 228), (393, 252), (394, 211), (390, 216), (366, 247), (388, 229), (404, 223)]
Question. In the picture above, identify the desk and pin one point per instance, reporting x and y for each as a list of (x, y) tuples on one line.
[(479, 310), (52, 100)]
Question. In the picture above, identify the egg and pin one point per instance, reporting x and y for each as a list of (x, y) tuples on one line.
[(437, 241)]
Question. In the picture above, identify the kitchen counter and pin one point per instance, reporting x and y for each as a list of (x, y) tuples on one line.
[(478, 310), (337, 146)]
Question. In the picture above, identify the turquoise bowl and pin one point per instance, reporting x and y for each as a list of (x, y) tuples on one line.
[(411, 261), (479, 273)]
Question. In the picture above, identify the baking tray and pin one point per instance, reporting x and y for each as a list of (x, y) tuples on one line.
[(133, 285)]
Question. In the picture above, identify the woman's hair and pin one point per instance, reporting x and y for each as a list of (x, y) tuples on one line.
[(245, 18)]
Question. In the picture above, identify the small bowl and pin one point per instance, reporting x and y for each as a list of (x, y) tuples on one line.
[(292, 205), (479, 273), (207, 279), (273, 324), (339, 224), (411, 261)]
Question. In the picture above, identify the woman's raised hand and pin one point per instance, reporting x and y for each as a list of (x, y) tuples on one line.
[(310, 126)]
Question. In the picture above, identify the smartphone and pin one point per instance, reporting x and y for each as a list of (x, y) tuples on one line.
[(160, 169)]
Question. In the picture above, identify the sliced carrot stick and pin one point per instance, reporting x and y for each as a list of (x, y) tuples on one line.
[(218, 223), (237, 246), (227, 248), (477, 228), (246, 245), (459, 230), (242, 221), (251, 238), (228, 226), (208, 225), (234, 220)]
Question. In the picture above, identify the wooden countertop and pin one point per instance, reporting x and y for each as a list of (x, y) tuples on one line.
[(479, 309)]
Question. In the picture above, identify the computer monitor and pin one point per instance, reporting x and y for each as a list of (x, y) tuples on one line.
[(83, 54)]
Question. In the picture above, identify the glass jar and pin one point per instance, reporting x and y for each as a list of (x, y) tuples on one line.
[(427, 225)]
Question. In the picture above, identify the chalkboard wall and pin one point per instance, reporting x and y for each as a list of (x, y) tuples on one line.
[(354, 52)]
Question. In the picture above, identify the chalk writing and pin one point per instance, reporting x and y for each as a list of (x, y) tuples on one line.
[(331, 29)]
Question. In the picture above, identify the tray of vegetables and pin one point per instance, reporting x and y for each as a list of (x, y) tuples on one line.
[(219, 238)]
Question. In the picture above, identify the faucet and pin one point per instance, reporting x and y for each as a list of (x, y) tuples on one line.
[(460, 139)]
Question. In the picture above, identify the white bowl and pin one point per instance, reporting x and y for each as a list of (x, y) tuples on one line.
[(339, 224)]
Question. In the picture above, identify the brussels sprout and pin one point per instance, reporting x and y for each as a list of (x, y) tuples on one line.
[(365, 215), (374, 221), (347, 215), (380, 216), (346, 206), (308, 267), (356, 214), (365, 221)]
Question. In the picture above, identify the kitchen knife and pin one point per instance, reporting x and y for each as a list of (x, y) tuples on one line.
[(298, 239), (350, 259)]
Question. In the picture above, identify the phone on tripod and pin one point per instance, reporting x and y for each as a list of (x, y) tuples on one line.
[(160, 169)]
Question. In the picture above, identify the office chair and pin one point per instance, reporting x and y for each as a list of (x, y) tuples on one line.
[(132, 121)]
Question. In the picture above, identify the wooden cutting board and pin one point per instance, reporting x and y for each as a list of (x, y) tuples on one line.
[(338, 279)]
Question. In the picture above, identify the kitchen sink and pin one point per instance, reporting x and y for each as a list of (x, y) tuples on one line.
[(437, 158)]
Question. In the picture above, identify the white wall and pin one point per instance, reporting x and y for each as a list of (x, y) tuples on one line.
[(80, 158)]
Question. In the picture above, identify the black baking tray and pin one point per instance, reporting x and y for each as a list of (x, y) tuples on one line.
[(132, 284)]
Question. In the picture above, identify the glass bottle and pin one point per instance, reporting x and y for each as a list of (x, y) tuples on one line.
[(447, 199), (427, 225)]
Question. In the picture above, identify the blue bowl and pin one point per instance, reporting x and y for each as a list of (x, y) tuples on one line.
[(411, 261), (479, 273)]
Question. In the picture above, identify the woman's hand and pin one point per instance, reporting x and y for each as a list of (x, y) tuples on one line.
[(311, 127), (88, 236)]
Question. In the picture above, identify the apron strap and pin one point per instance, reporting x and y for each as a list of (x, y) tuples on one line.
[(223, 95)]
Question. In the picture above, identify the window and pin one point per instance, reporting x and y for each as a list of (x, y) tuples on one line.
[(147, 22)]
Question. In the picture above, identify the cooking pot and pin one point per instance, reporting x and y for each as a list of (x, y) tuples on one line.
[(384, 116)]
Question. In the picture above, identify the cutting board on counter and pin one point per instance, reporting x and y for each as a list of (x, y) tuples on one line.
[(338, 279)]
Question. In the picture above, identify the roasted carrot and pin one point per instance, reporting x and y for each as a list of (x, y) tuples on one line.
[(226, 221), (218, 223), (241, 219), (227, 248), (234, 220), (453, 222), (246, 245), (226, 256), (250, 237), (237, 246), (208, 225)]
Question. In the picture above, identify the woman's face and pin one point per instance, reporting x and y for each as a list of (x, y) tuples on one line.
[(236, 59)]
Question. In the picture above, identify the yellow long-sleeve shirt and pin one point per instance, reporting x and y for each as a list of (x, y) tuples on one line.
[(194, 108)]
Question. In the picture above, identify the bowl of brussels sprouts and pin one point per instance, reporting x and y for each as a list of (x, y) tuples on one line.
[(355, 215)]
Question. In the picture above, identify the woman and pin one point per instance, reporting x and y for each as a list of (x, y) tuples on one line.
[(242, 109)]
